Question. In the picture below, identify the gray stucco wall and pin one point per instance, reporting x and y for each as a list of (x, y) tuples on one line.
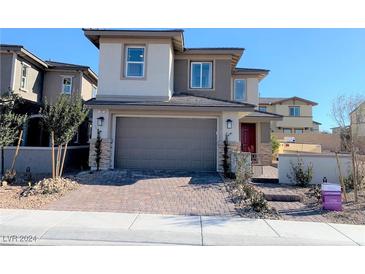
[(53, 84), (6, 61), (34, 84), (221, 79), (39, 158)]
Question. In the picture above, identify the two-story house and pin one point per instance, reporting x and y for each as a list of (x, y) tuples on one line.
[(161, 105), (297, 114), (36, 80)]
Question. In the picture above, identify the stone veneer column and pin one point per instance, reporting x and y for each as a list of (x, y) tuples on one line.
[(232, 147), (106, 154), (266, 153)]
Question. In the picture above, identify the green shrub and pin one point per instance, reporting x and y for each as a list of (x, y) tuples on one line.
[(299, 174), (274, 145)]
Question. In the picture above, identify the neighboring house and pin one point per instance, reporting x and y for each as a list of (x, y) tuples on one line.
[(297, 114), (36, 80), (358, 121), (163, 106)]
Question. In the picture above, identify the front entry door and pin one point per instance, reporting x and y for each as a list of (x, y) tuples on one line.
[(248, 137)]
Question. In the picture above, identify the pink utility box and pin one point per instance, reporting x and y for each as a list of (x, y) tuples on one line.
[(331, 197)]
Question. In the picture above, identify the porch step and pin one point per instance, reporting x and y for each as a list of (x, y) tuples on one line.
[(279, 193)]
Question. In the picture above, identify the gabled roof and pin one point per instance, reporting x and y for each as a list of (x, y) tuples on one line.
[(47, 65), (177, 100), (24, 53), (274, 101), (318, 123), (68, 66), (264, 114), (176, 35)]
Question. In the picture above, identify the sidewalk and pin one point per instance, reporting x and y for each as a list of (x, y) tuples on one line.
[(44, 227)]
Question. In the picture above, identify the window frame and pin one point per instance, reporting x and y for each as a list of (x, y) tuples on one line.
[(63, 85), (294, 107), (245, 89), (26, 67), (201, 75), (263, 107), (94, 88), (301, 129), (126, 62), (286, 128)]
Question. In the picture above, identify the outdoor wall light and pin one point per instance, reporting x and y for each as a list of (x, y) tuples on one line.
[(229, 124), (100, 121)]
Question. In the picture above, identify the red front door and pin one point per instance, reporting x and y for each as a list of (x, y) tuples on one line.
[(248, 137)]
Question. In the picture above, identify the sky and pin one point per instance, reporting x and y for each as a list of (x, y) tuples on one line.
[(316, 64)]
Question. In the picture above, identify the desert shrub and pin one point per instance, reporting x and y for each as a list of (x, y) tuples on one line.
[(348, 182), (50, 186), (10, 176), (299, 174), (245, 193), (274, 145), (315, 192)]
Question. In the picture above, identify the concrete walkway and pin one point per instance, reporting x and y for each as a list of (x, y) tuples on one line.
[(45, 227)]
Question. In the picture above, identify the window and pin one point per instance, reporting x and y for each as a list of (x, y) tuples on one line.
[(263, 108), (294, 111), (67, 85), (287, 130), (201, 75), (23, 81), (94, 91), (240, 89), (135, 59), (298, 131)]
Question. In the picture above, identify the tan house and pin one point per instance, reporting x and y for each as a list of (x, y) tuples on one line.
[(36, 80), (358, 120), (297, 114), (161, 105)]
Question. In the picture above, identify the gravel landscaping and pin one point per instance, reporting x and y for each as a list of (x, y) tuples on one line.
[(21, 196), (307, 209)]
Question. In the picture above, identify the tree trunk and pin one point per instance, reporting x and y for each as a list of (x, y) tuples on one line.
[(341, 178), (63, 159), (59, 152), (53, 159), (17, 150), (2, 162)]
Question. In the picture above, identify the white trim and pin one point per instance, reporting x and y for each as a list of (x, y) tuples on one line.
[(245, 90), (134, 62), (201, 75), (26, 66), (114, 132), (62, 85)]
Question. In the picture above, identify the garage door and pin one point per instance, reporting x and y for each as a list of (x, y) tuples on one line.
[(166, 143)]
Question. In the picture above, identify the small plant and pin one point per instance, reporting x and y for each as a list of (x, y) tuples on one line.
[(244, 167), (226, 166), (315, 192), (274, 145), (10, 176), (98, 149), (299, 174)]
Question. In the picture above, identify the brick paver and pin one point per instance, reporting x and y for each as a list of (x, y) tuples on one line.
[(161, 192)]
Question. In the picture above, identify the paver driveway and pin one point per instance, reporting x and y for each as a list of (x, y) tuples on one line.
[(162, 192)]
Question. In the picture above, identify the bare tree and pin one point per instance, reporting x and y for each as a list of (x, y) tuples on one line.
[(346, 112)]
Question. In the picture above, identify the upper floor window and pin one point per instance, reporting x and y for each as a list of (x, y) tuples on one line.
[(263, 108), (67, 85), (24, 74), (201, 75), (294, 111), (135, 61), (240, 89), (287, 130), (298, 130)]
